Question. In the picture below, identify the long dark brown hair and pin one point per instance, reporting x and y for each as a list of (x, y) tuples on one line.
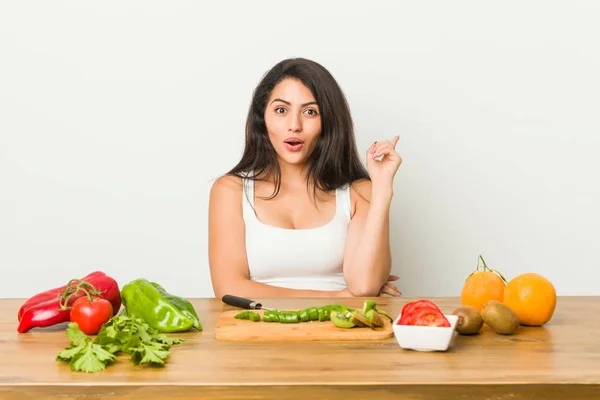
[(334, 161)]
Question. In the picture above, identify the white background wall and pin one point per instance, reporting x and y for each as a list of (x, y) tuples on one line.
[(115, 117)]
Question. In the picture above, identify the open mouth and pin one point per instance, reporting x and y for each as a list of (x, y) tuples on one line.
[(293, 144), (293, 141)]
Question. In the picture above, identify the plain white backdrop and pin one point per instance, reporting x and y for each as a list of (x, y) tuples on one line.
[(116, 116)]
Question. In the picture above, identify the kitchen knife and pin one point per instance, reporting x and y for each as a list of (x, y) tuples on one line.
[(243, 303)]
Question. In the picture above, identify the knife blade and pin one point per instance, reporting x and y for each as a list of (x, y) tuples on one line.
[(243, 303)]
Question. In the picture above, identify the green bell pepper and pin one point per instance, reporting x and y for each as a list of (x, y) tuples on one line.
[(182, 304), (161, 310)]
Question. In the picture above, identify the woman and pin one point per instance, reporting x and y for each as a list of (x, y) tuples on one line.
[(299, 216)]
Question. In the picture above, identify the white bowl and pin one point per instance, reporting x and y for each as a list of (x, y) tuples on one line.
[(425, 338)]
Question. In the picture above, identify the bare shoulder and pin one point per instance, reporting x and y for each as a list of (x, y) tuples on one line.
[(360, 195), (227, 184), (226, 189)]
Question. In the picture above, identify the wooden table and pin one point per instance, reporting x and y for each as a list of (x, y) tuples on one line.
[(558, 361)]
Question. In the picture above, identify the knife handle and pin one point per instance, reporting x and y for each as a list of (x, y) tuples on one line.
[(241, 302)]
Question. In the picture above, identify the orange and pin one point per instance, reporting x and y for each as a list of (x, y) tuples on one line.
[(532, 297), (482, 286)]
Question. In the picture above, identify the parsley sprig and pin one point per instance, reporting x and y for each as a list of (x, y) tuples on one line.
[(126, 334)]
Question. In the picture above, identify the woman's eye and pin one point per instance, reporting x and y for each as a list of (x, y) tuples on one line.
[(280, 110), (311, 112)]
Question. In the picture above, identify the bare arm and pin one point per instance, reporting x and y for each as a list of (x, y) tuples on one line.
[(227, 248), (367, 257)]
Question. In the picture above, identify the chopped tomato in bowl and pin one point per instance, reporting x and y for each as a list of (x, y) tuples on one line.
[(410, 310), (423, 326)]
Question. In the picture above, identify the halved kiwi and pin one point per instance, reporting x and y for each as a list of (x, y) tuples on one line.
[(374, 318), (360, 320), (342, 319)]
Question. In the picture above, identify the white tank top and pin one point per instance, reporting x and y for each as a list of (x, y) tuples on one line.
[(297, 258)]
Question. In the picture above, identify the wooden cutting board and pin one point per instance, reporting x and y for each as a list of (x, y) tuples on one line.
[(229, 328)]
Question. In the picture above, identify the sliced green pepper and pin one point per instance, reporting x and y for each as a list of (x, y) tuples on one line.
[(369, 305), (322, 315), (254, 316), (304, 315), (288, 317), (337, 307), (384, 314), (243, 315), (274, 316), (144, 300), (250, 315)]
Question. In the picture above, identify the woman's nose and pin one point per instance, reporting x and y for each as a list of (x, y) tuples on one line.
[(295, 123)]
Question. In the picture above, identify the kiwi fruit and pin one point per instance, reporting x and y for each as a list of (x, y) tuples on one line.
[(469, 320), (360, 320), (342, 319), (501, 318), (374, 318)]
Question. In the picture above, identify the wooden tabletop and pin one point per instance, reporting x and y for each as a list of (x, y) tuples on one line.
[(558, 361)]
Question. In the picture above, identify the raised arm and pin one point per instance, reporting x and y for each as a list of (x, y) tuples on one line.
[(367, 257), (227, 248)]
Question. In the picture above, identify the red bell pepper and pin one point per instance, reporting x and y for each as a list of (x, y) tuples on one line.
[(54, 306), (50, 294)]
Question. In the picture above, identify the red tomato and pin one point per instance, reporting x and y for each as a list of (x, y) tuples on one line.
[(428, 316), (90, 316), (410, 308)]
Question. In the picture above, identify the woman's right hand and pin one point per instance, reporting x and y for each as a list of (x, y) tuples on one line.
[(389, 288), (383, 161)]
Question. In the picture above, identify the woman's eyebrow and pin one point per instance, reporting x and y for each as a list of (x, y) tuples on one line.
[(289, 104)]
